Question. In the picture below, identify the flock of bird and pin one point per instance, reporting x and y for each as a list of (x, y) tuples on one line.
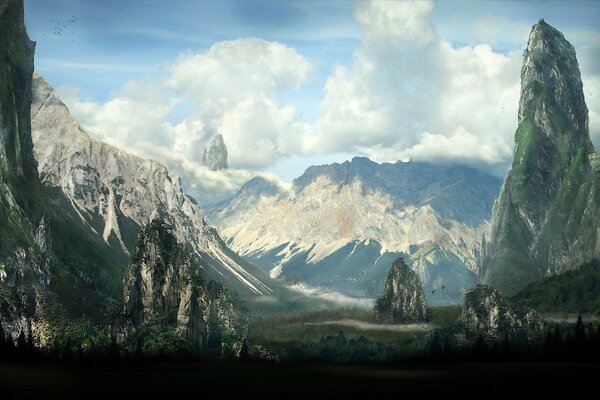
[(61, 27)]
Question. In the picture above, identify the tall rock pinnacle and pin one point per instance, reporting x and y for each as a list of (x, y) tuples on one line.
[(215, 154), (552, 167)]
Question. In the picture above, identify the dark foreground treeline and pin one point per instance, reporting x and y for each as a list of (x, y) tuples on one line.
[(564, 342)]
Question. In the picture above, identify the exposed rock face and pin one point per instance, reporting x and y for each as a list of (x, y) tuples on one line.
[(215, 154), (486, 311), (23, 253), (546, 217), (20, 195), (112, 194), (164, 284), (340, 226), (403, 298)]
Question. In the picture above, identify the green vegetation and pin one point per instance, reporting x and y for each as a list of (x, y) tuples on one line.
[(570, 292)]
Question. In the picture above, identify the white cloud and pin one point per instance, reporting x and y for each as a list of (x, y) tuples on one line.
[(408, 94)]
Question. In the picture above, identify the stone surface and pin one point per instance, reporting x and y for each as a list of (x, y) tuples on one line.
[(486, 311), (215, 154), (403, 298), (164, 284), (546, 217)]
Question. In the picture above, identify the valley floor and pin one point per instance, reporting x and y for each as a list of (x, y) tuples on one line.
[(284, 381)]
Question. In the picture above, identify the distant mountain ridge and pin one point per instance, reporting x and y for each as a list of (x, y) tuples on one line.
[(342, 225)]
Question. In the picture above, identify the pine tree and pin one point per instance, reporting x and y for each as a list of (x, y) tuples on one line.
[(448, 353), (243, 354), (480, 349), (579, 332), (506, 350), (139, 353), (557, 339), (435, 350)]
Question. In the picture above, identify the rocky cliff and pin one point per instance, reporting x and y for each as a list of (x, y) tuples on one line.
[(340, 226), (20, 195), (215, 154), (24, 247), (486, 311), (546, 217), (111, 195), (403, 298), (165, 286)]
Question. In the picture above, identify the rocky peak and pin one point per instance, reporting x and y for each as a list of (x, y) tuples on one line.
[(486, 311), (164, 284), (550, 72), (215, 154), (403, 298), (543, 217)]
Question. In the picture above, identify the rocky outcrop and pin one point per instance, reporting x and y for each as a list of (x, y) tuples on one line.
[(215, 154), (165, 285), (340, 226), (545, 219), (486, 311), (403, 298)]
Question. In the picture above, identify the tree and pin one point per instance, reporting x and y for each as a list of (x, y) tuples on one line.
[(506, 350), (448, 353), (243, 353), (480, 349), (579, 332), (435, 349)]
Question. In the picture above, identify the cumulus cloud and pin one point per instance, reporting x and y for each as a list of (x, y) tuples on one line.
[(407, 94), (412, 94), (234, 89)]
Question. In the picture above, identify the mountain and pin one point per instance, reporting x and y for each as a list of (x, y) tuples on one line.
[(164, 288), (67, 234), (403, 298), (215, 154), (112, 195), (486, 311), (341, 226), (546, 217)]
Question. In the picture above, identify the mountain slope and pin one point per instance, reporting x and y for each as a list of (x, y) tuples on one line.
[(342, 225), (111, 195), (546, 217), (20, 195)]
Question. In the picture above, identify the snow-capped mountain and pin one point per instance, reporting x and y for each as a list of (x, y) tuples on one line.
[(114, 194), (341, 225)]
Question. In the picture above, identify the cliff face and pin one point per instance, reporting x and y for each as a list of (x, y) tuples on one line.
[(545, 219), (486, 311), (20, 198), (24, 248), (403, 298), (164, 285)]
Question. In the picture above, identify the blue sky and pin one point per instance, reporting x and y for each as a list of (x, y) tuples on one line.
[(348, 63)]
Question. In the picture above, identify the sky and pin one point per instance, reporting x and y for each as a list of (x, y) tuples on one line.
[(293, 84)]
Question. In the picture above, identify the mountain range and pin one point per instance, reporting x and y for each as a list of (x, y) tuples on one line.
[(341, 226)]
